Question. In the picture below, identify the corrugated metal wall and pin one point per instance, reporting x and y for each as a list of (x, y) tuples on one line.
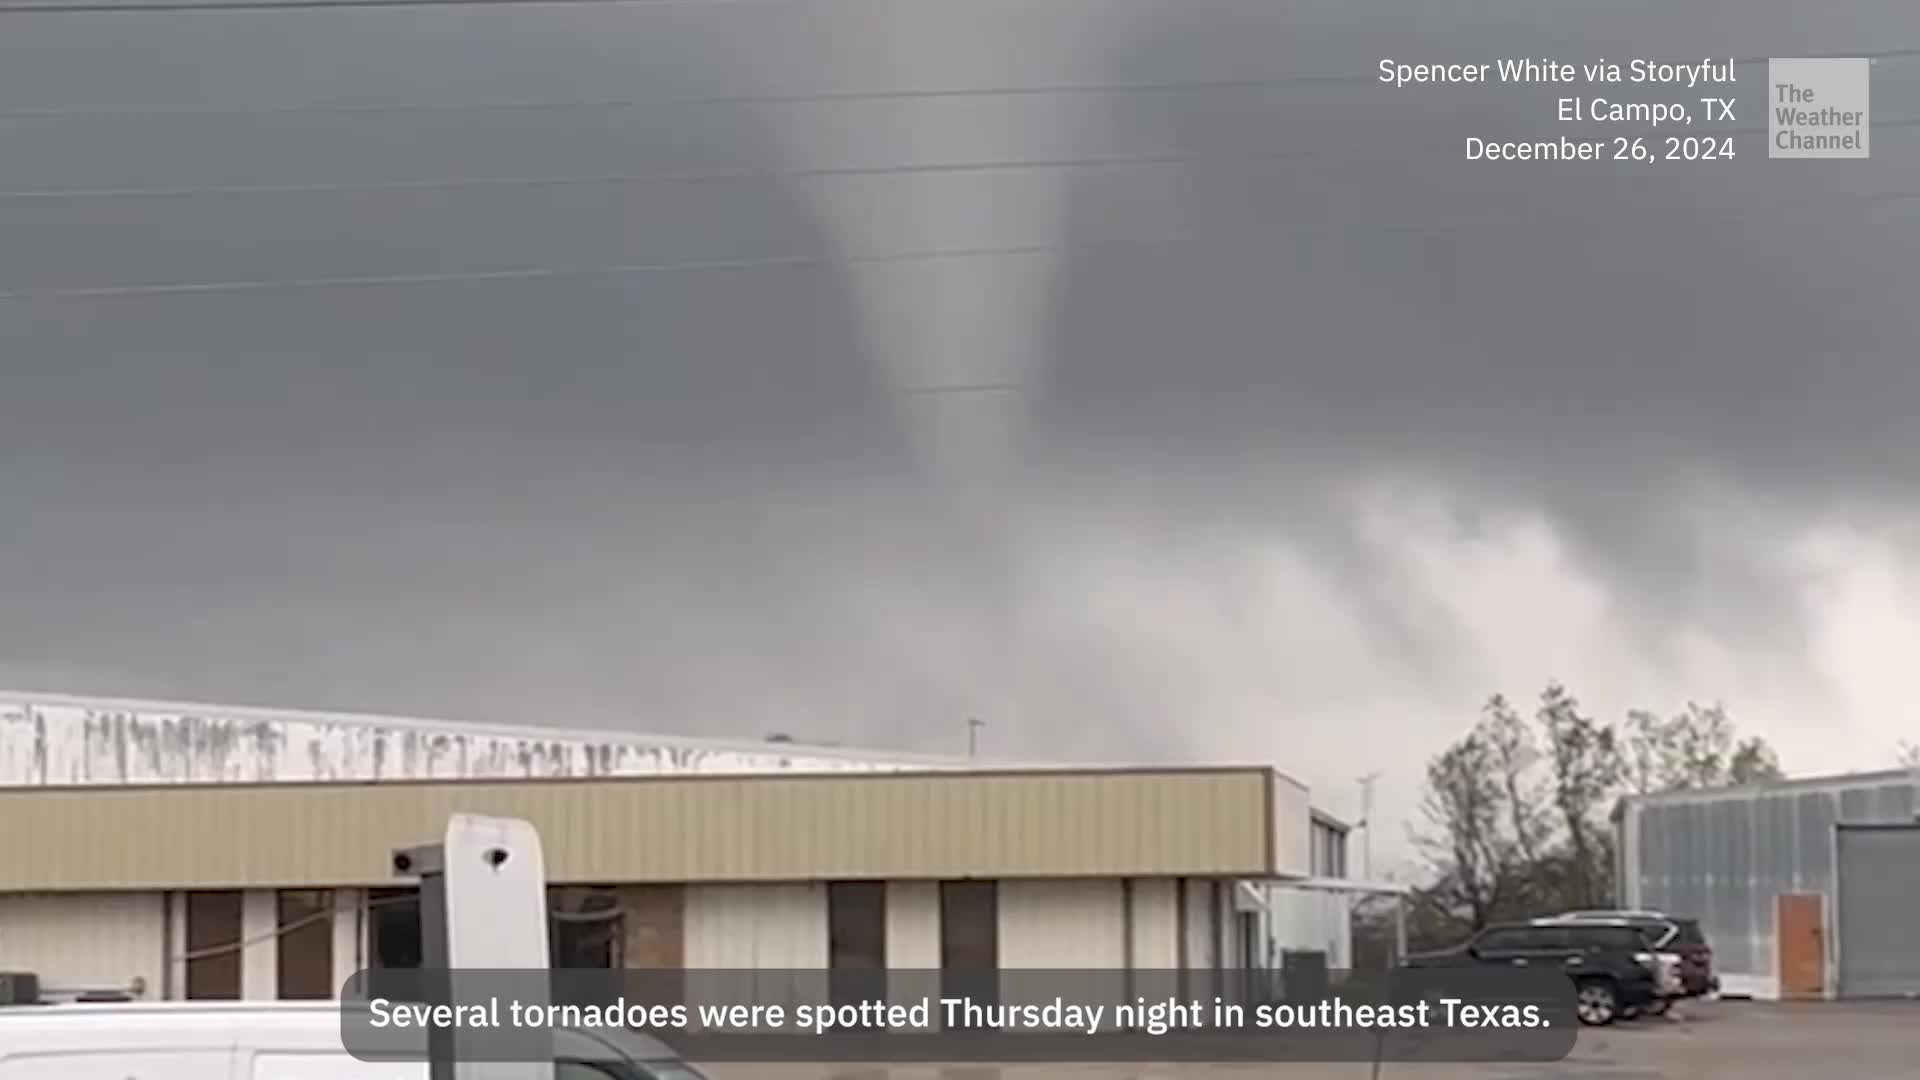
[(1064, 925), (1311, 920), (690, 829), (1156, 924), (1879, 953), (104, 940), (1292, 827), (756, 926), (85, 941), (1723, 858)]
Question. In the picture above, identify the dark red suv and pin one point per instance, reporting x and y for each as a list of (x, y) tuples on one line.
[(1668, 934)]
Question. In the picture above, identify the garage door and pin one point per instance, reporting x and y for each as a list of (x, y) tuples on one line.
[(1879, 878)]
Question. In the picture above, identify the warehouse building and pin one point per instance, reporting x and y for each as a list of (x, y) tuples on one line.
[(1805, 889), (148, 840), (283, 890)]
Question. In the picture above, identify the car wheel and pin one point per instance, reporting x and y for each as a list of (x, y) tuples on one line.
[(1659, 1008), (1596, 1004)]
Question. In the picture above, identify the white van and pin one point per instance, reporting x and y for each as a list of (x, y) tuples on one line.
[(292, 1040)]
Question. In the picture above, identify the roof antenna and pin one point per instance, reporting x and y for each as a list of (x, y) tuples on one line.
[(974, 724)]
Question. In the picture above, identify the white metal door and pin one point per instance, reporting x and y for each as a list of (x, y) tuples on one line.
[(1879, 879)]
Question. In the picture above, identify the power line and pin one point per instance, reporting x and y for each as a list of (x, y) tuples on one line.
[(242, 944), (522, 274), (969, 389), (669, 101), (711, 176), (722, 100), (119, 6), (176, 6), (375, 281), (605, 915), (707, 176), (703, 101)]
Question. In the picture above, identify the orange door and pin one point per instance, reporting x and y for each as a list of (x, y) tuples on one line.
[(1802, 944)]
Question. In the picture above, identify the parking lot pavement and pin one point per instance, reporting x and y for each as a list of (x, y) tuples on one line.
[(1707, 1041), (1728, 1041)]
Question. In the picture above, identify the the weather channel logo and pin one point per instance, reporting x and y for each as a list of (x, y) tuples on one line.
[(1817, 107)]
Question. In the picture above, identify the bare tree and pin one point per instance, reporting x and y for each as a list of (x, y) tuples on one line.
[(1907, 754)]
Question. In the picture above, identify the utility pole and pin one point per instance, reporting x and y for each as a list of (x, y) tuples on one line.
[(1366, 822), (974, 724)]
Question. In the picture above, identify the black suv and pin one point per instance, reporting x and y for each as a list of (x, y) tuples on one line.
[(1665, 933), (1614, 972)]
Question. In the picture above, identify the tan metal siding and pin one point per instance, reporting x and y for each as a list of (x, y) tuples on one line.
[(94, 941), (1292, 828), (708, 829)]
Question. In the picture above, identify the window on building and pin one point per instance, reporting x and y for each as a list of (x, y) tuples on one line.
[(970, 940), (304, 965), (857, 940), (857, 924), (1329, 852), (214, 945), (393, 928), (653, 925), (585, 928), (969, 925)]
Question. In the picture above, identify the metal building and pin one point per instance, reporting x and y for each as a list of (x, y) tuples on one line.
[(201, 851), (282, 890), (1806, 889)]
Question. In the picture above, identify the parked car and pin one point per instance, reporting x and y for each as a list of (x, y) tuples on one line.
[(1615, 974), (1669, 984), (1669, 933)]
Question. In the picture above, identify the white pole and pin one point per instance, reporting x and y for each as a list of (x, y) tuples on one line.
[(1366, 822)]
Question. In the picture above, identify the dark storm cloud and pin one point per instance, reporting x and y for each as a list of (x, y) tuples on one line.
[(1577, 338), (697, 499), (459, 496)]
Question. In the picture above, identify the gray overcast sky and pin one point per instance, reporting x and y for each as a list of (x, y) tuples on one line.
[(1308, 439)]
